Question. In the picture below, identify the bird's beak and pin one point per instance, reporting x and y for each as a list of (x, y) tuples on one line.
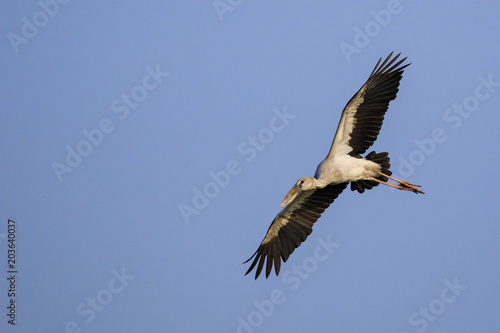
[(290, 196)]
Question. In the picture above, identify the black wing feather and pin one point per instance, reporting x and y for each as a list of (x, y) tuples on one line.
[(363, 115), (380, 88), (293, 226)]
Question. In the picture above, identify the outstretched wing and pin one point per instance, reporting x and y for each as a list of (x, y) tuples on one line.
[(363, 115), (291, 227)]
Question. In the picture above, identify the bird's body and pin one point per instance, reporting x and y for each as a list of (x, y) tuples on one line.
[(344, 168), (358, 128)]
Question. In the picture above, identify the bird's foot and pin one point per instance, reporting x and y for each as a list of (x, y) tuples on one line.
[(409, 187)]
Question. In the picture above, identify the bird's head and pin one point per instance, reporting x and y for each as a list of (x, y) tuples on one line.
[(303, 184)]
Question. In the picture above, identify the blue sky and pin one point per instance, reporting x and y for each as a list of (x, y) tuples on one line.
[(146, 147)]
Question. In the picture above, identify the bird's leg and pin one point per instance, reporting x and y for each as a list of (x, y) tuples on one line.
[(403, 185), (397, 180), (399, 187)]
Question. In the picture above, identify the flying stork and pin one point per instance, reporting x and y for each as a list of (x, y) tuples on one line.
[(358, 128)]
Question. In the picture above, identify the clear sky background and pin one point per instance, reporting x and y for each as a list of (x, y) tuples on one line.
[(143, 159)]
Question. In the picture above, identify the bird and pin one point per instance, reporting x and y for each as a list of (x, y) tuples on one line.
[(359, 126)]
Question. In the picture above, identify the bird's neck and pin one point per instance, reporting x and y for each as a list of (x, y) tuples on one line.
[(320, 183)]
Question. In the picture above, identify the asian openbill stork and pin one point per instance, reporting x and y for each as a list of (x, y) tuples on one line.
[(359, 126)]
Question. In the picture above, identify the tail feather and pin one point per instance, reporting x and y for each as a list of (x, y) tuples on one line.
[(384, 161)]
